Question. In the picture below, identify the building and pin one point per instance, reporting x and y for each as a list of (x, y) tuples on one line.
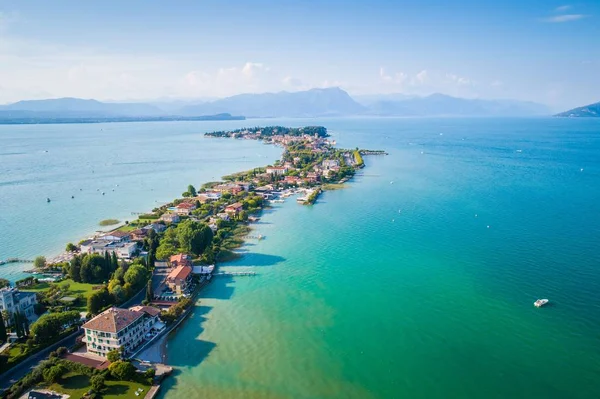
[(180, 260), (331, 163), (276, 170), (139, 234), (234, 208), (115, 328), (170, 218), (157, 227), (152, 321), (184, 208), (292, 179), (179, 279), (13, 300), (123, 249), (115, 236), (232, 188), (312, 177)]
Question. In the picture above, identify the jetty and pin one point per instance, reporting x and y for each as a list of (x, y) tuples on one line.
[(231, 274), (14, 260)]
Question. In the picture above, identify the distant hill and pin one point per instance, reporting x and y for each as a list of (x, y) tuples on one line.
[(444, 105), (592, 110), (76, 110), (84, 108), (310, 103)]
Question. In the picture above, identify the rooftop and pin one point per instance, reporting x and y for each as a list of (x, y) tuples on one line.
[(113, 320), (152, 311), (180, 273)]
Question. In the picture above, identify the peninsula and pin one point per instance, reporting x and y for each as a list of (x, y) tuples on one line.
[(146, 273)]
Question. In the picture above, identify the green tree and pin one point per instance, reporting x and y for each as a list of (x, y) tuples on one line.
[(54, 373), (149, 291), (75, 269), (93, 269), (98, 300), (107, 264), (192, 190), (39, 262), (118, 293), (114, 262), (30, 342), (122, 370), (98, 382), (3, 334), (168, 244), (193, 237), (18, 325), (26, 325), (49, 326), (118, 275), (136, 276), (4, 283), (113, 355), (71, 247)]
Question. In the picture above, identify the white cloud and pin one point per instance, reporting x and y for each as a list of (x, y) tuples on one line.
[(426, 82), (564, 8), (565, 18), (497, 83)]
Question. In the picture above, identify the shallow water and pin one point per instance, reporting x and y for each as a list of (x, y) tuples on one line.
[(379, 290)]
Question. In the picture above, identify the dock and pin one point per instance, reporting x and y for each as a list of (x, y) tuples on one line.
[(230, 274), (14, 260)]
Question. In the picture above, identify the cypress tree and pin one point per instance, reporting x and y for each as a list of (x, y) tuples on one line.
[(18, 326), (26, 325), (107, 264), (114, 263), (3, 334), (149, 291)]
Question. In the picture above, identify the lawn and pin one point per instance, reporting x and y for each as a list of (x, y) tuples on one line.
[(78, 384), (74, 290)]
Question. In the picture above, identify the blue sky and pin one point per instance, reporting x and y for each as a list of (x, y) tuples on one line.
[(534, 50)]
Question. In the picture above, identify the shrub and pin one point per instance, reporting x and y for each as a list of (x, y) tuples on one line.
[(53, 373), (113, 355), (149, 373), (97, 382), (122, 370)]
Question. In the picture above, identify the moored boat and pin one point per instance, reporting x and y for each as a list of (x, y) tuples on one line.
[(540, 302)]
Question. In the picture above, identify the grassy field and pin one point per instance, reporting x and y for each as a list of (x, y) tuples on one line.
[(77, 384), (74, 290), (334, 186)]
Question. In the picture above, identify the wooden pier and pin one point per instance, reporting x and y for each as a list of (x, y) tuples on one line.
[(14, 260), (234, 274)]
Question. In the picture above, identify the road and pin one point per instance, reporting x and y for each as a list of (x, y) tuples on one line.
[(19, 371)]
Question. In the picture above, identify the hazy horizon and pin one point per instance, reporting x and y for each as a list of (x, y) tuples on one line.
[(138, 51)]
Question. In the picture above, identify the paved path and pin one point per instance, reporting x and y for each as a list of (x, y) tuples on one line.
[(19, 371)]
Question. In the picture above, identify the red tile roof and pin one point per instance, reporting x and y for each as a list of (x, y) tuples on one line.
[(180, 273), (180, 259), (113, 320), (152, 311)]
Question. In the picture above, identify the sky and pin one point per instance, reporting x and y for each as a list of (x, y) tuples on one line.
[(536, 50)]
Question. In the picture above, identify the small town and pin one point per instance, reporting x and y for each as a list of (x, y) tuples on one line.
[(98, 315)]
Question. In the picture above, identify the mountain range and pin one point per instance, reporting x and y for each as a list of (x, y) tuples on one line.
[(310, 103), (591, 110)]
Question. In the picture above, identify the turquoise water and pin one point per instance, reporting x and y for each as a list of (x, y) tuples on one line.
[(137, 165), (380, 290), (398, 290)]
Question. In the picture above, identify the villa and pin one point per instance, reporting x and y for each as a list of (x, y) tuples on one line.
[(123, 249), (115, 236), (157, 227), (139, 234), (170, 218), (180, 260), (115, 328), (12, 300), (276, 170), (234, 208), (179, 279), (184, 208)]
